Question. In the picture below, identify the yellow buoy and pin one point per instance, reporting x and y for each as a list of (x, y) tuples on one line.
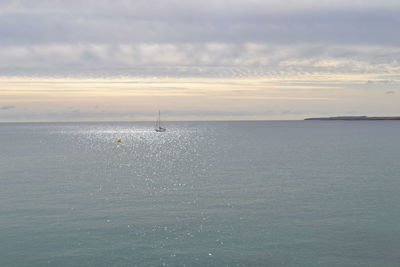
[(119, 140)]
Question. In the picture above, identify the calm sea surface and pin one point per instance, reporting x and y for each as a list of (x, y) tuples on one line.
[(273, 193)]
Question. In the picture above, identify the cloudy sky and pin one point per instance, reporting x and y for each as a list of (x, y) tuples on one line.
[(210, 59)]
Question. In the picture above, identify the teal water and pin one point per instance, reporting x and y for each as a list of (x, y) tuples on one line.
[(273, 193)]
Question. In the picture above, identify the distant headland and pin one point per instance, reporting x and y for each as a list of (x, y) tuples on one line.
[(355, 118)]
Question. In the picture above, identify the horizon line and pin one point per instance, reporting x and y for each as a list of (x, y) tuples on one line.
[(92, 121)]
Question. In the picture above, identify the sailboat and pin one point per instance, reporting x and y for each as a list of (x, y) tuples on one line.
[(158, 124)]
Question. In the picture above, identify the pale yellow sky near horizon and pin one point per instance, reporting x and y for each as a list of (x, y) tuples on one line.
[(130, 98)]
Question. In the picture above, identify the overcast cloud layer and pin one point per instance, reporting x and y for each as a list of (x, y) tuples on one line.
[(63, 36)]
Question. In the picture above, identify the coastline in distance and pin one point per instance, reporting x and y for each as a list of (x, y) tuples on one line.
[(355, 118)]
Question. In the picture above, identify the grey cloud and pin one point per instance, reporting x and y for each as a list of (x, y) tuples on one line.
[(160, 7), (381, 82), (74, 115), (8, 107), (187, 24), (390, 92), (238, 113)]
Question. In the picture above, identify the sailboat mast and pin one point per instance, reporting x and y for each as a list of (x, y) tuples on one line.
[(159, 128)]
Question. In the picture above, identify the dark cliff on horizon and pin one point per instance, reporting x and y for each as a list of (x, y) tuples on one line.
[(355, 118)]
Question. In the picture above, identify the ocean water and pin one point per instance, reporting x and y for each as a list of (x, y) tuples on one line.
[(265, 193)]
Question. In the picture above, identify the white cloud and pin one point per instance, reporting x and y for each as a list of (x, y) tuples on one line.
[(209, 59)]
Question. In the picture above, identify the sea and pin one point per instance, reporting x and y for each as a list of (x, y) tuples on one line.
[(233, 193)]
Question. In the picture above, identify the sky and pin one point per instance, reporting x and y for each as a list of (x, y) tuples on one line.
[(124, 60)]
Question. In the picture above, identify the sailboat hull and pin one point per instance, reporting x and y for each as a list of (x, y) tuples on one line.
[(159, 130)]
